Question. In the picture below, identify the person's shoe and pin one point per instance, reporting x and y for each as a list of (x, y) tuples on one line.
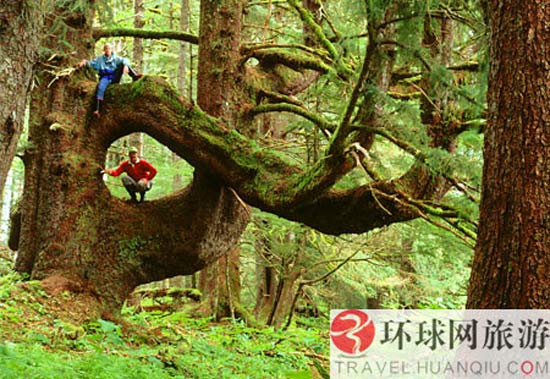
[(137, 77), (96, 113), (132, 200)]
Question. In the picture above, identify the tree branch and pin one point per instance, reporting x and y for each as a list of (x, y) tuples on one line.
[(307, 18), (419, 155), (343, 130), (145, 34), (248, 49), (291, 108), (292, 60)]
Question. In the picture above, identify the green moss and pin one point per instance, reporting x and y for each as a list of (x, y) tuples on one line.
[(129, 249), (75, 161)]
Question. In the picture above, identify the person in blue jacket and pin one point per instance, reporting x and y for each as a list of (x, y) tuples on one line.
[(110, 68)]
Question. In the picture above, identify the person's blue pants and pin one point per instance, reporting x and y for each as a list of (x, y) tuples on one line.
[(104, 81), (107, 77)]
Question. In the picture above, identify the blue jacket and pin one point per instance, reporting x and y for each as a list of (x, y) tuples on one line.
[(102, 64)]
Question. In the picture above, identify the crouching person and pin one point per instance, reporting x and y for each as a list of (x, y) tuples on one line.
[(139, 175)]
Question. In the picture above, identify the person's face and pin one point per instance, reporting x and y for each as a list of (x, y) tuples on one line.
[(133, 157), (108, 50)]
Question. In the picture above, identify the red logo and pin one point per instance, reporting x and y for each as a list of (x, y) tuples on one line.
[(352, 331)]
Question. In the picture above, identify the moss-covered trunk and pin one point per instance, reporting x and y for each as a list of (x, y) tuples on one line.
[(74, 234), (217, 93)]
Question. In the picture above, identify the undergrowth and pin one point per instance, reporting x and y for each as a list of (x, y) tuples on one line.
[(34, 344)]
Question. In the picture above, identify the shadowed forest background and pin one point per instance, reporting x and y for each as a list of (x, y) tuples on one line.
[(311, 156)]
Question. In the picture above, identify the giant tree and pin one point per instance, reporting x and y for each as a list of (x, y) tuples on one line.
[(511, 262), (75, 236)]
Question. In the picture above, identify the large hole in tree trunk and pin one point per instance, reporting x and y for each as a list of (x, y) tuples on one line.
[(174, 173)]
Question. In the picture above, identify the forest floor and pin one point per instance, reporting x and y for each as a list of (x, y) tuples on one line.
[(147, 344)]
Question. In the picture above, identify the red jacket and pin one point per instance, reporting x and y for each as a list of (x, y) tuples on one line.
[(142, 169)]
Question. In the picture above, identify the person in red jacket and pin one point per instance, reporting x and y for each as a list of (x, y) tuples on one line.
[(140, 174)]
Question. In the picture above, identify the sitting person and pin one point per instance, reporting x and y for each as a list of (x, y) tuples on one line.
[(110, 68), (140, 174)]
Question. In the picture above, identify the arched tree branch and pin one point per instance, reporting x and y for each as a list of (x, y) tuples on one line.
[(262, 177)]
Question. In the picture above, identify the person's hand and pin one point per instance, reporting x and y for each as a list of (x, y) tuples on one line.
[(143, 181), (125, 70), (82, 63)]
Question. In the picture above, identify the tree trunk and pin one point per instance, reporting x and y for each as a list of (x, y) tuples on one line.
[(20, 28), (139, 9), (217, 94), (184, 27), (266, 286), (136, 139), (266, 274), (73, 233), (220, 286), (512, 261), (284, 295)]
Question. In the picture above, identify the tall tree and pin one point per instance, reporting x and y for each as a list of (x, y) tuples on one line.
[(20, 31), (511, 263)]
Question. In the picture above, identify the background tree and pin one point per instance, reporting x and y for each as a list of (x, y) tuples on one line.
[(20, 31), (511, 263)]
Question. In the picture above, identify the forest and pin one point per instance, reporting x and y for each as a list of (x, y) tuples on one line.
[(312, 155)]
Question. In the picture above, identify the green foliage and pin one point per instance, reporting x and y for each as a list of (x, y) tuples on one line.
[(33, 361), (409, 265), (174, 345)]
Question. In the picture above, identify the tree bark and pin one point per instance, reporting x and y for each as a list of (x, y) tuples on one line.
[(20, 28), (221, 287), (512, 261), (184, 27)]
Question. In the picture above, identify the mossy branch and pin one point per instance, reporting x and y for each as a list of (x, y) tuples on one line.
[(246, 50), (261, 177), (342, 131), (315, 118), (292, 60), (404, 96), (145, 34), (408, 75), (308, 19)]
